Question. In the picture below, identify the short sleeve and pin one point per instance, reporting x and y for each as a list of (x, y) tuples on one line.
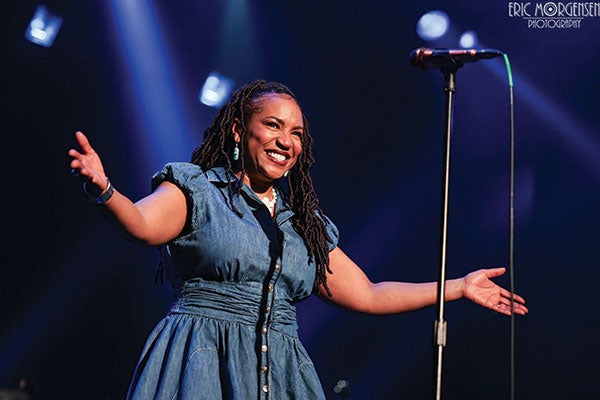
[(333, 232), (193, 183), (178, 173)]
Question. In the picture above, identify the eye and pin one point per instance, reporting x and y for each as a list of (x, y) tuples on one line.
[(297, 133), (272, 124)]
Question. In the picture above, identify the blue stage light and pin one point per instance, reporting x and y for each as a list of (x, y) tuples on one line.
[(433, 25), (216, 90), (468, 40), (43, 27)]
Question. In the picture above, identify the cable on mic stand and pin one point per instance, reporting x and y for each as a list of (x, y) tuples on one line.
[(511, 230)]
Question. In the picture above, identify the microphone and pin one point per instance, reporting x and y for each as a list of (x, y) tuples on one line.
[(424, 58)]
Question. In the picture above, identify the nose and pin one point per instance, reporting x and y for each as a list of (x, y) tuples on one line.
[(284, 140)]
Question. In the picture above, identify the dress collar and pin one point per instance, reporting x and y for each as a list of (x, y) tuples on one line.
[(218, 176)]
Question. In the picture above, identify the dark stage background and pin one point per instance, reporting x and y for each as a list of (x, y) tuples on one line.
[(77, 301)]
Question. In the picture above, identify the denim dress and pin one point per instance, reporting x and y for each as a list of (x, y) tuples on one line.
[(231, 331)]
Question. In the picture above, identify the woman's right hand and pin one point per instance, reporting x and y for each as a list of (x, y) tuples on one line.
[(87, 165)]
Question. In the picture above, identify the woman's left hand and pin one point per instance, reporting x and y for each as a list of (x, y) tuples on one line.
[(480, 289)]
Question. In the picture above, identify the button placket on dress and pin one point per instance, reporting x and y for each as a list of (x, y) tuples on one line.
[(264, 368)]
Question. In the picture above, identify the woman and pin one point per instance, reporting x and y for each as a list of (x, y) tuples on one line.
[(244, 237)]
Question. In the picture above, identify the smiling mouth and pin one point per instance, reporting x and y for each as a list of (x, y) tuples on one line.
[(277, 157)]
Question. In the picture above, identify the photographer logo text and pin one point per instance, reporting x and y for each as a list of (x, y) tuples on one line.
[(554, 15)]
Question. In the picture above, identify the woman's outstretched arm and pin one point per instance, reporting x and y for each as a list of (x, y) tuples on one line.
[(153, 220), (352, 289)]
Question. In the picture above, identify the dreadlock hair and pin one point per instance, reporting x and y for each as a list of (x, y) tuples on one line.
[(217, 147)]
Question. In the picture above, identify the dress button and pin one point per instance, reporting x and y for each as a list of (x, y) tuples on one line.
[(268, 309), (264, 348), (270, 288), (263, 329), (277, 267), (265, 388), (264, 369)]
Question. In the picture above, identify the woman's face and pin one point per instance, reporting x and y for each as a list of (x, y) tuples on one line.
[(273, 139)]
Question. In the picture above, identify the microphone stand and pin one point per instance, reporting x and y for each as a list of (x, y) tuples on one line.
[(449, 70)]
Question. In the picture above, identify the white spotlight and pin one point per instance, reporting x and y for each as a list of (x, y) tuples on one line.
[(433, 25), (468, 40), (43, 27), (216, 90)]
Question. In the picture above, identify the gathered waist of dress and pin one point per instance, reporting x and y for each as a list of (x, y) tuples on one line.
[(242, 303)]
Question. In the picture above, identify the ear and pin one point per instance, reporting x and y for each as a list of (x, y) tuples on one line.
[(236, 130)]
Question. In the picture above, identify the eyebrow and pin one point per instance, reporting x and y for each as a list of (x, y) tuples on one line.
[(282, 122)]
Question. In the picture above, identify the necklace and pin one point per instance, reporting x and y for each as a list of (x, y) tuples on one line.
[(270, 203)]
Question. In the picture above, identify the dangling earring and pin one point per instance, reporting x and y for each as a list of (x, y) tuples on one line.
[(286, 173), (236, 152)]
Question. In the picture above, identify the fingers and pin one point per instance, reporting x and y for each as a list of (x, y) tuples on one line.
[(76, 164), (83, 142), (507, 295), (504, 307), (85, 162), (495, 272), (504, 304), (76, 155)]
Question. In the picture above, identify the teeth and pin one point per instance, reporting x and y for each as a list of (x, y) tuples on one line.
[(278, 157)]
